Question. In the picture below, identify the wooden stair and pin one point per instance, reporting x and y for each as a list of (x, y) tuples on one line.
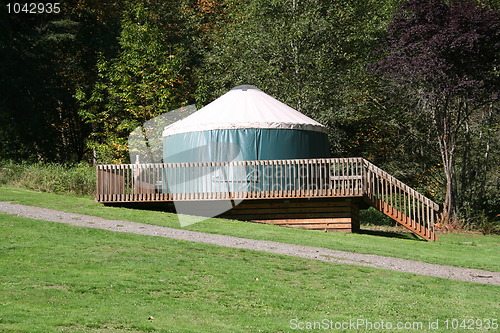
[(417, 228), (400, 202)]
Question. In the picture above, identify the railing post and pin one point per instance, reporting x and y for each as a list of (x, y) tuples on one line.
[(364, 180), (98, 183)]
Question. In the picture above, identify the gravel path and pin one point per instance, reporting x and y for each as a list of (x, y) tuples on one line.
[(308, 252)]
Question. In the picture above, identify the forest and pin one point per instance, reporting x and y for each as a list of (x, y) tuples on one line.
[(413, 86)]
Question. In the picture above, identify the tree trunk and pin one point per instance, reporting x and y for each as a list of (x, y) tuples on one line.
[(449, 205), (447, 142)]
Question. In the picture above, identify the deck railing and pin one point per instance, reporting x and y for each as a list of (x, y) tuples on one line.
[(275, 179), (335, 177), (400, 201)]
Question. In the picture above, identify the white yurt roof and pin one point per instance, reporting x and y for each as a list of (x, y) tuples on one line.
[(244, 107)]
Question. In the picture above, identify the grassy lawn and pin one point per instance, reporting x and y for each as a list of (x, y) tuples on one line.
[(60, 278), (474, 251)]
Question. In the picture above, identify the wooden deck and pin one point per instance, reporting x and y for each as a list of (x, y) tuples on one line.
[(304, 193)]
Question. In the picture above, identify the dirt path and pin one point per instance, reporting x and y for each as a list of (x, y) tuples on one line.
[(308, 252)]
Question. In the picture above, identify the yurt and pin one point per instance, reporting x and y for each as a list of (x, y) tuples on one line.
[(244, 124)]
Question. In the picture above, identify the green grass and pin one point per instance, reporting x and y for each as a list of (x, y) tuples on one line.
[(61, 278), (464, 250)]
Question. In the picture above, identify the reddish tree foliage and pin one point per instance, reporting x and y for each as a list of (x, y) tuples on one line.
[(448, 48), (447, 55)]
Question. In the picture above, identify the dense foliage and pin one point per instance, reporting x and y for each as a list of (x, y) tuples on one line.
[(410, 85), (76, 179), (444, 58)]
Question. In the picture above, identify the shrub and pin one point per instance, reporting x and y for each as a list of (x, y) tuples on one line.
[(487, 225), (49, 177), (371, 216)]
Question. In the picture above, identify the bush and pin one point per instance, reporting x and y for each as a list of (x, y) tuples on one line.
[(487, 225), (49, 177), (371, 216)]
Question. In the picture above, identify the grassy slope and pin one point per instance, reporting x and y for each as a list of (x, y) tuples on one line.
[(55, 277), (474, 251)]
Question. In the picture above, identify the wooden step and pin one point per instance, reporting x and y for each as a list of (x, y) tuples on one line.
[(404, 220), (332, 224)]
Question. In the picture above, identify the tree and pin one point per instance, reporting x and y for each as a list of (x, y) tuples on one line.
[(445, 57), (43, 58), (308, 54), (148, 77), (28, 89)]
